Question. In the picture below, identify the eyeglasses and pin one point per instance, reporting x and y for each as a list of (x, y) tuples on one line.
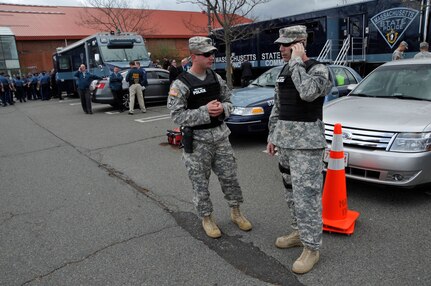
[(207, 54), (291, 44)]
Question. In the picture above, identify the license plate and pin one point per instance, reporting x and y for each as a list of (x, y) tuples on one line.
[(346, 157)]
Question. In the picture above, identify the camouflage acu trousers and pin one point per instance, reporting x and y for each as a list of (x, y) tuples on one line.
[(303, 178), (219, 157)]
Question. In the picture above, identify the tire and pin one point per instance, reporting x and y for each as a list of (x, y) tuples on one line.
[(126, 101)]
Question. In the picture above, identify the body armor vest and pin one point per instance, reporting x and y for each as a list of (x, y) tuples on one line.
[(202, 92), (292, 107)]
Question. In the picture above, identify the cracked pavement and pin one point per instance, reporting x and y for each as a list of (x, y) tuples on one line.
[(68, 217)]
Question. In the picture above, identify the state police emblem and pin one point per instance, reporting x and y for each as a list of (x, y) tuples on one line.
[(392, 23)]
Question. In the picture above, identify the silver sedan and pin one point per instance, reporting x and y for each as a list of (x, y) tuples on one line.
[(386, 123)]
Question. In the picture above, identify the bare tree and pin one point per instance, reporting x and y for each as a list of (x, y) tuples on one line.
[(117, 15), (229, 14)]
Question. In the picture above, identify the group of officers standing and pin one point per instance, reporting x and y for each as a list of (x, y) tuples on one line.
[(136, 78), (35, 86)]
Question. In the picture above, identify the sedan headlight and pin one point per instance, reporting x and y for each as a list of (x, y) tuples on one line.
[(245, 111), (412, 142)]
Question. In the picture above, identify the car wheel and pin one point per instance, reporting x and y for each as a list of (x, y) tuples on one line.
[(126, 101)]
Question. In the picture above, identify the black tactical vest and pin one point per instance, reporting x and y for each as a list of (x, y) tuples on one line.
[(202, 92), (292, 107)]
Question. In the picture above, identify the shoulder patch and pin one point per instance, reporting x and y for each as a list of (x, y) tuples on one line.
[(173, 92)]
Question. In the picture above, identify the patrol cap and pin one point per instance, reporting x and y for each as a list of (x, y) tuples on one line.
[(292, 34), (404, 43), (424, 45), (201, 45)]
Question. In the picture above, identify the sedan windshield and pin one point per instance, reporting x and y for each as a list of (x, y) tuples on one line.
[(268, 78), (401, 81)]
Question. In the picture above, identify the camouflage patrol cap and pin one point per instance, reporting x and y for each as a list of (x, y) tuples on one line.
[(292, 34), (201, 45), (424, 45), (404, 43)]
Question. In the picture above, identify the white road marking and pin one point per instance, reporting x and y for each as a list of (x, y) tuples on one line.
[(153, 118), (112, 112), (76, 103)]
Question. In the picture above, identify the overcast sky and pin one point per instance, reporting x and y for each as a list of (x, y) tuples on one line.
[(266, 11)]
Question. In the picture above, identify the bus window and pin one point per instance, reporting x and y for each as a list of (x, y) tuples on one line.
[(63, 63), (92, 51), (77, 61)]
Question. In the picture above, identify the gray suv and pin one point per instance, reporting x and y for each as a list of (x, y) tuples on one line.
[(156, 91), (386, 123)]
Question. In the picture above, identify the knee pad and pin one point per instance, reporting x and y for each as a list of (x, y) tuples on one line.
[(283, 170)]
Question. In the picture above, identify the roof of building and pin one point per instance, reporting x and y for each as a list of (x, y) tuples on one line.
[(32, 22)]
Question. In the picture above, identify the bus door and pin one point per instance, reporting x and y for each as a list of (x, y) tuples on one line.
[(64, 73), (356, 30)]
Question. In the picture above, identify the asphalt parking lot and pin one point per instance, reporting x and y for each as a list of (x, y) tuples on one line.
[(102, 199)]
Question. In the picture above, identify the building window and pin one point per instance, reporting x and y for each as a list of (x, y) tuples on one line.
[(8, 48)]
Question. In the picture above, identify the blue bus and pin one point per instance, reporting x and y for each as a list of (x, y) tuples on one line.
[(362, 35), (100, 53)]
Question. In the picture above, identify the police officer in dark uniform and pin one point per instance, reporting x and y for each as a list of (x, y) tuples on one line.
[(116, 86), (44, 86), (19, 89), (5, 90), (33, 86), (84, 80)]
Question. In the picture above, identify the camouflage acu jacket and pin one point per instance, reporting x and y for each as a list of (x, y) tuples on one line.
[(296, 134)]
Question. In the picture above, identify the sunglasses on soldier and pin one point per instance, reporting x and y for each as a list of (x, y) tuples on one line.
[(292, 43), (207, 54)]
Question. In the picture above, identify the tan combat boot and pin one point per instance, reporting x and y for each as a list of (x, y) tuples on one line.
[(288, 241), (306, 261), (239, 219), (210, 227)]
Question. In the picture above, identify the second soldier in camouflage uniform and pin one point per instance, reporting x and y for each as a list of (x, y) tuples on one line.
[(297, 130), (200, 99)]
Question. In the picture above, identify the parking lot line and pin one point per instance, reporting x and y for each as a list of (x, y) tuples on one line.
[(153, 118)]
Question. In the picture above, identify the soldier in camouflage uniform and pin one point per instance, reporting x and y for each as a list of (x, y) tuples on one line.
[(398, 54), (200, 99), (297, 130)]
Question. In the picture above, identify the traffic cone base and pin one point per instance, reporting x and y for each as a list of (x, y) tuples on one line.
[(341, 226), (348, 231)]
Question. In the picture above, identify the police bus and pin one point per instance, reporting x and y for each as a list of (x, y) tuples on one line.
[(361, 35), (100, 53)]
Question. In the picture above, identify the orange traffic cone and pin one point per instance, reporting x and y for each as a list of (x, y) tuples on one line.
[(336, 216)]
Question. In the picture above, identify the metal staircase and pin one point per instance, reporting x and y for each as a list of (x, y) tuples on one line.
[(325, 53), (341, 58), (350, 50)]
